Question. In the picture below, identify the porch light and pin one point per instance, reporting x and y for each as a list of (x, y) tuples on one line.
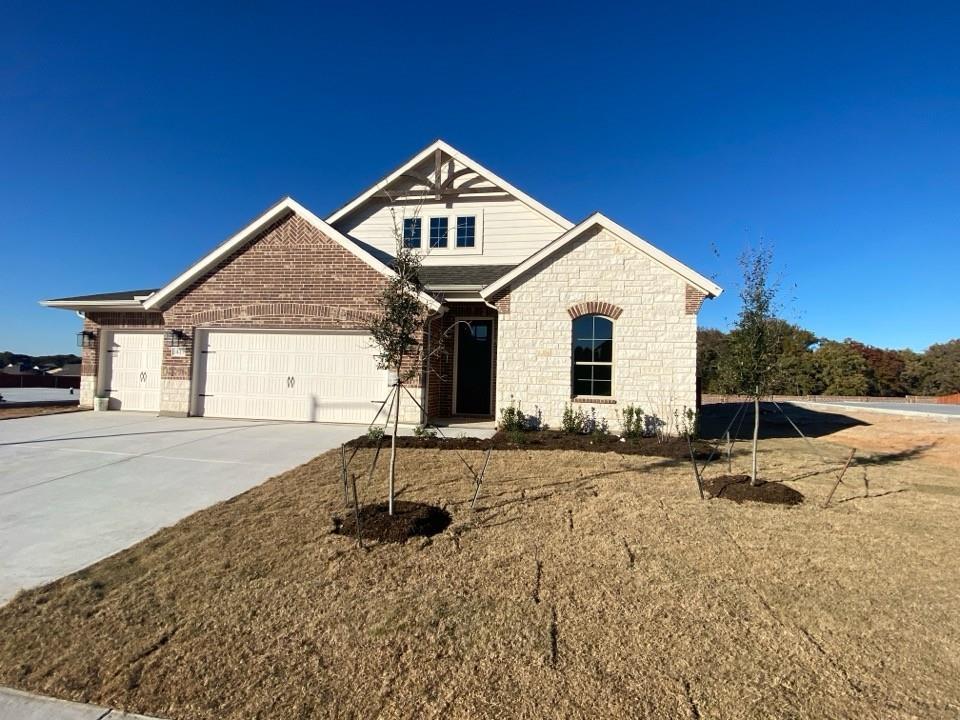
[(86, 339), (177, 338)]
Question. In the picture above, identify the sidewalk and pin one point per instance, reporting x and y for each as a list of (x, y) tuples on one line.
[(17, 705)]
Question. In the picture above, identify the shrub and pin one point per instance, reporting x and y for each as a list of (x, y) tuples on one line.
[(512, 419), (597, 426), (633, 424), (574, 421), (375, 433), (687, 422), (422, 431), (516, 436)]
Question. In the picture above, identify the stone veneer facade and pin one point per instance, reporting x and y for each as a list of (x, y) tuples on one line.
[(291, 276), (654, 331)]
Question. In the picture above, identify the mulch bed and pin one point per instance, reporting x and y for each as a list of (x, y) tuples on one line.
[(409, 519), (551, 440), (738, 489)]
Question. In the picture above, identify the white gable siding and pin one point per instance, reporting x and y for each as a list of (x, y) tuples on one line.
[(508, 230)]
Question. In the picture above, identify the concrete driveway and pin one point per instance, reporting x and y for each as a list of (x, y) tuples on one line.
[(78, 487)]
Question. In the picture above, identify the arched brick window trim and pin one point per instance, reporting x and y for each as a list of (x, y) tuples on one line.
[(300, 311), (595, 307)]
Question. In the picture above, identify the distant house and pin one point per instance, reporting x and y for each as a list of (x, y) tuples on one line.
[(20, 369), (525, 307), (70, 370)]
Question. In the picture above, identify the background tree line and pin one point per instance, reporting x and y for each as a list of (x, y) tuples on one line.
[(808, 365)]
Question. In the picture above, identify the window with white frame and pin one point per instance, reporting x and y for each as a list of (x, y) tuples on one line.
[(466, 231), (411, 232), (593, 356), (438, 232)]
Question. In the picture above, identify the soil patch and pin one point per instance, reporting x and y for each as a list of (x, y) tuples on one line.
[(409, 519), (22, 411), (738, 489), (670, 447)]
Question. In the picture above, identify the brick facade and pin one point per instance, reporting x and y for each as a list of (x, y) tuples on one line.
[(291, 276), (655, 335)]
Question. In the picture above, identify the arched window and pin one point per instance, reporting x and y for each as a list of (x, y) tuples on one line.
[(593, 356)]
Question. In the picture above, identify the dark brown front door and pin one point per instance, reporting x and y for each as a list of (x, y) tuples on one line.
[(474, 356)]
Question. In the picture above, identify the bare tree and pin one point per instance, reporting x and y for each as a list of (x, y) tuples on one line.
[(755, 341), (396, 329)]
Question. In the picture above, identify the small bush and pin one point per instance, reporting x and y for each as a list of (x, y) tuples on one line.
[(633, 424), (687, 422), (512, 419), (375, 433), (422, 431), (574, 421), (597, 426), (516, 436)]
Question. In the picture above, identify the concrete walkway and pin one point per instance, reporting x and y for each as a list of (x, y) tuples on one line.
[(17, 705)]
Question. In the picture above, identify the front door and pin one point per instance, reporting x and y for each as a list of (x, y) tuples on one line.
[(474, 356)]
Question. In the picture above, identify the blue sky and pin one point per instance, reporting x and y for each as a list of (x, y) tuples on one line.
[(134, 137)]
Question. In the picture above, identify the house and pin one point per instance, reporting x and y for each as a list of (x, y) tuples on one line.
[(525, 307), (20, 368)]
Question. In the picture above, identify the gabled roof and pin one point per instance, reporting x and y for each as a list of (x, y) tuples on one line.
[(286, 206), (691, 276), (413, 162)]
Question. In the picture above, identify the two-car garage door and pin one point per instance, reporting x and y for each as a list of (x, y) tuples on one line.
[(326, 377)]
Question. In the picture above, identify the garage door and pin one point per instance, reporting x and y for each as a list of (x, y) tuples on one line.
[(322, 377), (131, 370)]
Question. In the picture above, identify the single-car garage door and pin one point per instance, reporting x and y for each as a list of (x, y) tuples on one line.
[(131, 370), (323, 377)]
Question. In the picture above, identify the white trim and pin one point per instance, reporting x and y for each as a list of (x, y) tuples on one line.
[(237, 241), (560, 221), (456, 369), (93, 304), (688, 274)]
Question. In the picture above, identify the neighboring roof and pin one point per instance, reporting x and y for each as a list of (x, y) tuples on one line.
[(454, 276), (360, 199), (70, 370), (285, 206), (691, 276)]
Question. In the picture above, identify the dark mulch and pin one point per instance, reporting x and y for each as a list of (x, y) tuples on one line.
[(738, 489), (551, 440), (409, 519)]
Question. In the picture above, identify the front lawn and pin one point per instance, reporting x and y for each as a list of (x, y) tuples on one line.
[(585, 585)]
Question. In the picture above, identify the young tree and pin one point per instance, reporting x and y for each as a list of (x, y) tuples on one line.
[(395, 330), (755, 342)]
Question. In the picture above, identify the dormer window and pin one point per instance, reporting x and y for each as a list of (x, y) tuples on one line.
[(411, 232), (466, 231), (438, 232)]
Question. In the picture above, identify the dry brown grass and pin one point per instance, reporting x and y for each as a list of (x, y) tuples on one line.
[(12, 413), (586, 585), (936, 441)]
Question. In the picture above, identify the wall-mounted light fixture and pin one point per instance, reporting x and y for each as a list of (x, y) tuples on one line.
[(86, 339), (177, 338)]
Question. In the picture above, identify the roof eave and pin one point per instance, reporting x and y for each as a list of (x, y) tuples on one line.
[(103, 305)]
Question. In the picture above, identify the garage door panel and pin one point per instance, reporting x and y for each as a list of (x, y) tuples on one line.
[(131, 373), (330, 377)]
